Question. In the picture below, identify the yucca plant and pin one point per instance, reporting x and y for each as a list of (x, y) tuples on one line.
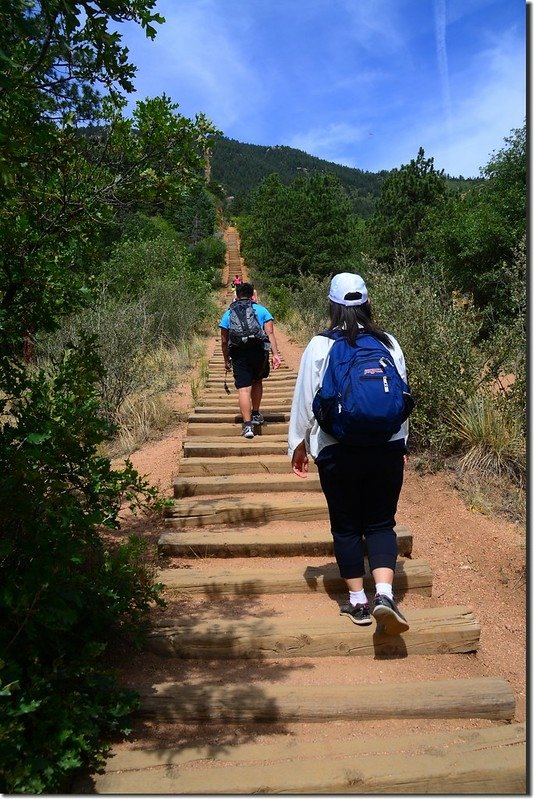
[(494, 437)]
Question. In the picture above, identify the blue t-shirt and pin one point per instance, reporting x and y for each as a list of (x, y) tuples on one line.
[(262, 314)]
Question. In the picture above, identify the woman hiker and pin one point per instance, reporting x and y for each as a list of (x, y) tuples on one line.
[(361, 484)]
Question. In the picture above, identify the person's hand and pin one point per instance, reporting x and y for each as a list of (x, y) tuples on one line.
[(299, 461), (227, 365), (276, 361)]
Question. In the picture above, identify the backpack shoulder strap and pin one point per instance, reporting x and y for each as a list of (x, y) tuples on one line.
[(333, 334)]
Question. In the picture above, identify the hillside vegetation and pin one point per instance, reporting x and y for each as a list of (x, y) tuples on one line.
[(240, 168)]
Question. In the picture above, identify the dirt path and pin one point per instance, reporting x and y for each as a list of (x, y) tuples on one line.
[(476, 560)]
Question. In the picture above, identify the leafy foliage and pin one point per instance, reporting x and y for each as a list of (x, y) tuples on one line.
[(62, 594), (474, 235), (407, 195), (67, 190), (241, 168), (300, 228), (444, 367)]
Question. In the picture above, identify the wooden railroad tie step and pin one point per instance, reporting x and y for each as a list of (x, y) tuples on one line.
[(227, 416), (183, 513), (433, 631), (235, 446), (240, 484), (218, 395), (225, 429), (482, 697), (410, 575), (246, 464), (282, 381), (231, 408), (487, 761), (259, 543)]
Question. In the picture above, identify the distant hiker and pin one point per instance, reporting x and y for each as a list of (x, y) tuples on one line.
[(247, 337), (361, 482), (236, 281)]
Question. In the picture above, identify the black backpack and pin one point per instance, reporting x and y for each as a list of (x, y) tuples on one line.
[(244, 325)]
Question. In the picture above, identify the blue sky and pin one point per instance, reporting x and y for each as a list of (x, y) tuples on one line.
[(363, 83)]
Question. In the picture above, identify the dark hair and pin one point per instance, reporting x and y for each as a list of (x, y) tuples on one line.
[(354, 319), (244, 291)]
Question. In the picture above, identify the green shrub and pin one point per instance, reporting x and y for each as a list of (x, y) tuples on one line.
[(280, 302), (63, 595), (444, 366), (125, 331), (310, 300), (135, 264), (207, 257), (141, 227)]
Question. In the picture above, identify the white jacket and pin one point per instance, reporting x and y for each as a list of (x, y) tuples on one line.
[(302, 423)]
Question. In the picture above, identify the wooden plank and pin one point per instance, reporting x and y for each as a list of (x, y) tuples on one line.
[(209, 398), (214, 410), (242, 483), (488, 761), (257, 446), (274, 380), (184, 513), (479, 697), (245, 464), (258, 543), (433, 631), (228, 416), (223, 429), (410, 575)]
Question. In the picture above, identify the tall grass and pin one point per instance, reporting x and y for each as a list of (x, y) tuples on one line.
[(493, 437)]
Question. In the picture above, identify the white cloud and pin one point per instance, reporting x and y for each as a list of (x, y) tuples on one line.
[(334, 142), (487, 101), (197, 60)]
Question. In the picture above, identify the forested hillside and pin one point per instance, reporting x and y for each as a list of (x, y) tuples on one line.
[(239, 168)]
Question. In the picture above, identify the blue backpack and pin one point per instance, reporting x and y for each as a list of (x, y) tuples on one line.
[(363, 400)]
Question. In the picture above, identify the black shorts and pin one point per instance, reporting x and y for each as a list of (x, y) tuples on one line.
[(250, 363)]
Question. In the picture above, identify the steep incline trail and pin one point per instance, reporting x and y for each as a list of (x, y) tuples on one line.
[(251, 682)]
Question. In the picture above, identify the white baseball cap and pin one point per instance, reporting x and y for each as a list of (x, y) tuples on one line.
[(348, 289)]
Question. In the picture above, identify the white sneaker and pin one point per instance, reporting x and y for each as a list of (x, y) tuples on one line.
[(248, 430)]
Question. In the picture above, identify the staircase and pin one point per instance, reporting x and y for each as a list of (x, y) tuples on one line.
[(252, 643)]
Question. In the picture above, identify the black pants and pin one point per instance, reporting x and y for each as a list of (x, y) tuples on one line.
[(250, 363), (362, 487)]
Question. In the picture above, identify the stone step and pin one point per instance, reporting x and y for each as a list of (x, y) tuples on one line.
[(433, 631), (240, 484), (183, 513), (226, 429), (410, 575), (236, 446), (258, 542), (227, 416), (485, 761), (478, 697), (244, 464)]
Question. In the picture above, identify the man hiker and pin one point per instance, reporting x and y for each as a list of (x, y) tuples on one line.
[(247, 337)]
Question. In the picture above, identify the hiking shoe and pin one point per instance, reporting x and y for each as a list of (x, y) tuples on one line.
[(257, 418), (389, 616), (248, 430), (359, 614)]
